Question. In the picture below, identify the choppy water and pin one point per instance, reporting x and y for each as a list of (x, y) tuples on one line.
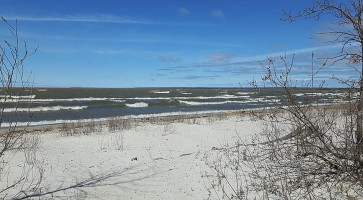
[(57, 105)]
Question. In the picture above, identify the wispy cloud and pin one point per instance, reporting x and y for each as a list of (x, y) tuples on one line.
[(102, 18), (134, 39), (99, 18), (183, 11), (217, 13), (177, 68), (222, 63), (290, 52), (57, 50), (217, 59), (255, 60), (195, 77), (239, 70), (124, 51), (109, 52), (220, 56), (168, 59), (218, 65)]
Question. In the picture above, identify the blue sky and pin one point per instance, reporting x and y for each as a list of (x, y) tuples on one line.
[(163, 43)]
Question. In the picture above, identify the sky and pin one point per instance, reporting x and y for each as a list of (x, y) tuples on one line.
[(165, 43)]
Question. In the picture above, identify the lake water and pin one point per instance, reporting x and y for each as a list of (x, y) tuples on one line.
[(59, 105)]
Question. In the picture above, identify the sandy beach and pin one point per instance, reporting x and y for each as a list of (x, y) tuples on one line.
[(151, 160)]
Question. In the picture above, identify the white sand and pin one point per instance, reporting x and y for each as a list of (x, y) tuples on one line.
[(170, 160)]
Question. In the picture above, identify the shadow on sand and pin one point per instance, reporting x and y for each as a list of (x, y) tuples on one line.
[(130, 175)]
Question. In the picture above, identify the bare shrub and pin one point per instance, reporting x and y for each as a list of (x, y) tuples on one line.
[(118, 141), (16, 181), (31, 144), (189, 119), (70, 129), (78, 128), (91, 127), (211, 119), (112, 124), (66, 129), (306, 150), (117, 124), (194, 120), (103, 144), (168, 128)]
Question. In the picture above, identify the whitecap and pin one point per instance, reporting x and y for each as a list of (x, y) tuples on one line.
[(118, 100), (124, 99), (38, 109), (197, 97), (137, 105), (194, 103), (140, 116), (160, 92), (18, 97), (244, 93), (68, 100), (42, 90)]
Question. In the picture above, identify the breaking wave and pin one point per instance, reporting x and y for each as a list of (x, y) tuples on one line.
[(67, 100), (39, 109), (18, 97), (137, 105), (194, 103), (160, 92)]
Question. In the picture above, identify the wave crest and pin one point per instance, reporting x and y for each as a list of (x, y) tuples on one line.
[(44, 109)]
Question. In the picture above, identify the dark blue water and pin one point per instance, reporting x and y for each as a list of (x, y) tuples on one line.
[(56, 105)]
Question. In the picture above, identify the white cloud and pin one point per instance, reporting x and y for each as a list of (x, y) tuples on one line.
[(217, 13), (278, 54), (183, 11), (84, 18), (168, 59), (123, 51), (220, 56), (230, 60)]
